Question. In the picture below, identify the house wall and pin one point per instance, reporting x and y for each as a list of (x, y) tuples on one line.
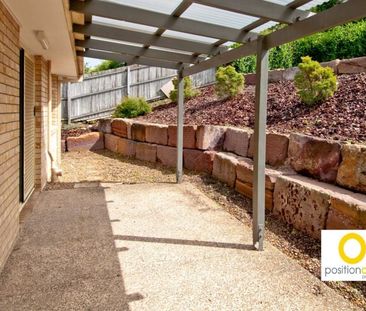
[(41, 113), (9, 132), (56, 120), (47, 143)]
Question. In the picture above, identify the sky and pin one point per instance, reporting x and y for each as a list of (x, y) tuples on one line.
[(92, 61)]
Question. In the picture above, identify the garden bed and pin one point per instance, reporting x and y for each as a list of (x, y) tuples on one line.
[(341, 117)]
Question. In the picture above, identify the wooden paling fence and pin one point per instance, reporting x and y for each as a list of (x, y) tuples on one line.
[(98, 94)]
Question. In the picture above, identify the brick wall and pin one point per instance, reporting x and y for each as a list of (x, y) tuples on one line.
[(9, 132), (41, 109), (56, 119)]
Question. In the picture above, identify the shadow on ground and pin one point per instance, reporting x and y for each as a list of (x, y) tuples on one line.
[(65, 257)]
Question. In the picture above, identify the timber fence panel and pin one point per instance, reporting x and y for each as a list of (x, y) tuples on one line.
[(99, 93)]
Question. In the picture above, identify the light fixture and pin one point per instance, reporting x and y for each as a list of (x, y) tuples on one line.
[(41, 36)]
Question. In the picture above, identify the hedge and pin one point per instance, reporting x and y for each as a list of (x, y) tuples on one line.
[(342, 42)]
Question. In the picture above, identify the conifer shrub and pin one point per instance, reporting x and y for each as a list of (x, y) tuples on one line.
[(132, 107), (229, 82), (189, 91), (313, 82)]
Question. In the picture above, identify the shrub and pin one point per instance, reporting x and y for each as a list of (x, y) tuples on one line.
[(132, 107), (314, 83), (228, 82), (189, 91)]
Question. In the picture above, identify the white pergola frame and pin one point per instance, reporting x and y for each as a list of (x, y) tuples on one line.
[(189, 57)]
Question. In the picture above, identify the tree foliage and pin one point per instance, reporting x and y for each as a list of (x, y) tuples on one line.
[(104, 65)]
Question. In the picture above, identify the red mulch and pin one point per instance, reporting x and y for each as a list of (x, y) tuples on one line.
[(342, 117)]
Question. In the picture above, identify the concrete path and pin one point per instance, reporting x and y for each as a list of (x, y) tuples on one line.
[(149, 247)]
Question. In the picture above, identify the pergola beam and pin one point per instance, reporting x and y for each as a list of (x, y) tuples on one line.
[(129, 59), (160, 20), (224, 58), (135, 50), (337, 15), (114, 33), (258, 8), (293, 5)]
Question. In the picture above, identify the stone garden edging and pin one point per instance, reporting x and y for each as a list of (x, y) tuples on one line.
[(306, 176)]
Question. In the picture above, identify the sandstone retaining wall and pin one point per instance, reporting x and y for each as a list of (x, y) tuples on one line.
[(308, 180)]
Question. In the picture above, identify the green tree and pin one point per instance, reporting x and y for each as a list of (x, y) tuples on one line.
[(189, 91), (229, 82), (104, 65), (314, 83)]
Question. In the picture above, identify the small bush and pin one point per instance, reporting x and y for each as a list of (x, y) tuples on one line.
[(228, 82), (314, 83), (189, 91), (132, 107)]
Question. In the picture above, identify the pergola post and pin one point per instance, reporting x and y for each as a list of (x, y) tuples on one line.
[(180, 114), (260, 145)]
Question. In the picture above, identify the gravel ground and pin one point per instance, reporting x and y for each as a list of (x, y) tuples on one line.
[(106, 166), (341, 117)]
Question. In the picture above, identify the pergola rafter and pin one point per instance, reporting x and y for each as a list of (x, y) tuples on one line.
[(260, 22), (116, 47), (128, 59), (207, 54), (332, 17), (115, 33)]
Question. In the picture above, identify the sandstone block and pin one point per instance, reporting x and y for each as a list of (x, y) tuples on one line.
[(250, 79), (105, 126), (302, 202), (156, 134), (276, 148), (189, 136), (275, 75), (111, 142), (224, 168), (126, 147), (245, 173), (237, 141), (354, 65), (210, 137), (199, 161), (122, 127), (247, 190), (314, 157), (63, 145), (337, 220), (290, 73), (167, 155), (332, 64), (352, 170), (138, 131), (146, 152), (88, 141)]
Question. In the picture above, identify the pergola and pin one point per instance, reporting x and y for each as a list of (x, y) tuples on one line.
[(193, 35)]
